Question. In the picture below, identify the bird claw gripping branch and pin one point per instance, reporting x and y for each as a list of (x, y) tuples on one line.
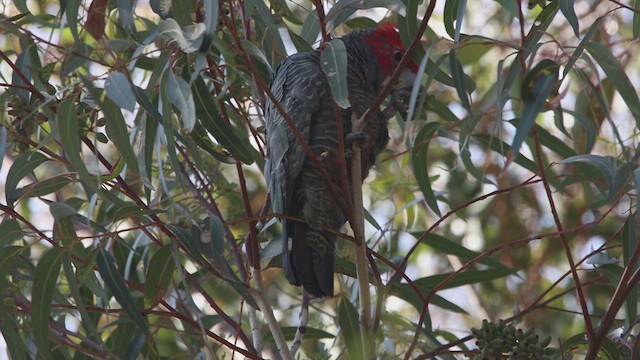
[(307, 188)]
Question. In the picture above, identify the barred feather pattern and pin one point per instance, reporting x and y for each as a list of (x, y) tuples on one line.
[(295, 185)]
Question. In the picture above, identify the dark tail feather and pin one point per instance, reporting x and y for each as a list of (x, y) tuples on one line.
[(303, 265)]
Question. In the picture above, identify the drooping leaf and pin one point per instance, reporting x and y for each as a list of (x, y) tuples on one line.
[(607, 165), (44, 284), (68, 131), (349, 322), (119, 90), (289, 333), (536, 87), (159, 275), (419, 157), (188, 39), (179, 94), (22, 165), (222, 131), (334, 64), (115, 282), (343, 9), (566, 6), (618, 77), (118, 132)]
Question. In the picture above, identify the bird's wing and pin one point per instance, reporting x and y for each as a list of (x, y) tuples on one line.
[(294, 86)]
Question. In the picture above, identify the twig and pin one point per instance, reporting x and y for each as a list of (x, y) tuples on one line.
[(304, 319), (267, 311), (565, 243), (362, 270), (626, 283)]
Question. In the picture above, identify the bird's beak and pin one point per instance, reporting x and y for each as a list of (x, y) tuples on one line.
[(407, 77)]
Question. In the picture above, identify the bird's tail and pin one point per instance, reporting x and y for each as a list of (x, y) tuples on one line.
[(306, 265)]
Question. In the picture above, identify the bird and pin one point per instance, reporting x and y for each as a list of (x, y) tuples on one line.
[(311, 203)]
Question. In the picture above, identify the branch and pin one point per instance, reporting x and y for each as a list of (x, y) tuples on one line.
[(362, 270), (565, 243)]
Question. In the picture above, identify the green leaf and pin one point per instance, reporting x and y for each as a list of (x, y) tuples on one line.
[(334, 64), (566, 6), (349, 322), (159, 275), (457, 73), (72, 17), (289, 333), (115, 282), (502, 148), (161, 7), (618, 77), (179, 94), (419, 161), (72, 281), (3, 144), (8, 256), (44, 284), (9, 329), (636, 19), (537, 85), (629, 239), (606, 165), (222, 131), (443, 245), (468, 277), (310, 28), (608, 350), (68, 131), (189, 40), (449, 18), (43, 187), (22, 165), (342, 10), (118, 132), (125, 15), (119, 90), (408, 294), (10, 230), (253, 50)]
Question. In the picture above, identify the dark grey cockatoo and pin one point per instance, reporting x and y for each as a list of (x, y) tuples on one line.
[(296, 187)]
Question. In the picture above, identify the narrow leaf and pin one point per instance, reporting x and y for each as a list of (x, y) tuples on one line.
[(566, 6), (10, 230), (68, 131), (343, 9), (159, 275), (189, 40), (44, 284), (334, 64), (43, 187), (537, 85), (179, 94), (22, 165), (222, 131), (349, 322), (119, 90), (118, 132), (606, 165), (419, 161), (9, 329), (446, 246), (115, 282), (618, 77)]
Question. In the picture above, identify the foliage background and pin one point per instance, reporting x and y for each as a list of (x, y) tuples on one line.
[(132, 145)]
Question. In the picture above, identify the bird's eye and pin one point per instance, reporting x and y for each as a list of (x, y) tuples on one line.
[(398, 55)]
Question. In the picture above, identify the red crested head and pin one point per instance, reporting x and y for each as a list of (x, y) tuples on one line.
[(386, 45)]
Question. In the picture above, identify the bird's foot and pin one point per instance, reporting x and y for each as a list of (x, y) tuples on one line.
[(397, 103), (353, 138)]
